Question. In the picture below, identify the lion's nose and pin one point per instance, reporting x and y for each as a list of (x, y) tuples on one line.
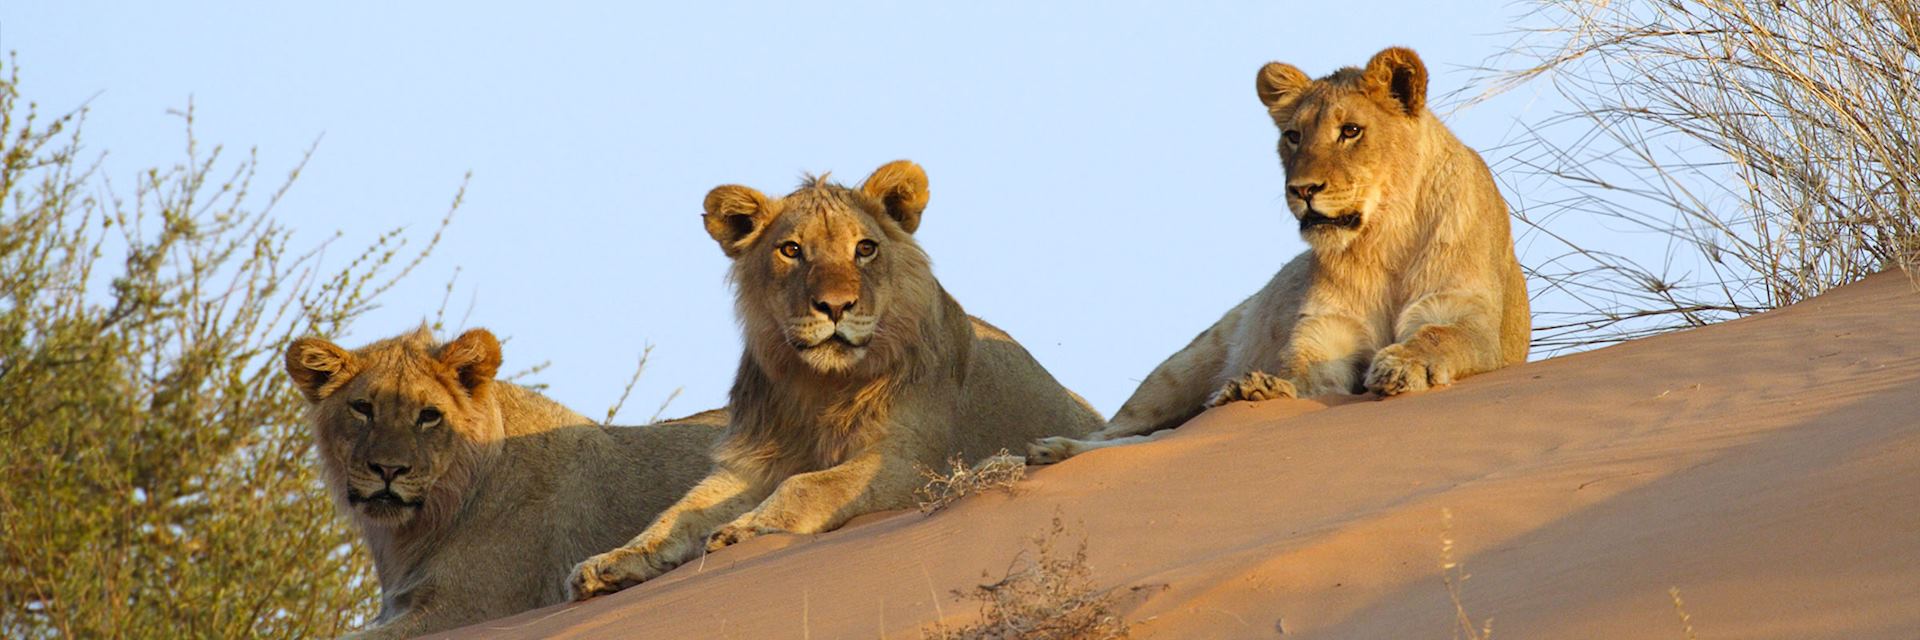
[(388, 471), (834, 305), (1305, 190)]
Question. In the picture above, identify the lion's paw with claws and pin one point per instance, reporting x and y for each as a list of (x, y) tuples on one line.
[(1395, 371), (1255, 386)]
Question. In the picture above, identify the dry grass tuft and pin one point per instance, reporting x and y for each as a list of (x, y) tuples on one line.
[(1050, 597), (1717, 158), (999, 471)]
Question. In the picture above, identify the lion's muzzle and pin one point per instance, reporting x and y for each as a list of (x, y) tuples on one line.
[(383, 497), (384, 505), (1314, 220)]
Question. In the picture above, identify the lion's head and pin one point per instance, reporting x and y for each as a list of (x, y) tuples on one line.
[(828, 278), (400, 425), (1346, 141)]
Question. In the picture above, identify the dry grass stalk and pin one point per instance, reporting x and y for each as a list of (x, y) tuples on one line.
[(1745, 154), (1050, 597), (1000, 471), (638, 368), (1454, 575), (1680, 610)]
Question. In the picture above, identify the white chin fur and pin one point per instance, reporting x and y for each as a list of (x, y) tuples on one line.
[(1329, 239), (832, 358)]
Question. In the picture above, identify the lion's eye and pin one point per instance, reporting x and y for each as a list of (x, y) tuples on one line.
[(866, 248), (429, 417), (1349, 132), (790, 249), (362, 407), (1293, 136)]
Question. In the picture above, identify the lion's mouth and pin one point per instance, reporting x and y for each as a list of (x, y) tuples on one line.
[(836, 340), (383, 499), (1314, 220)]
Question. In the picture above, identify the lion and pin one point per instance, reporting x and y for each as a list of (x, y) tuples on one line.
[(858, 370), (1409, 282), (476, 496)]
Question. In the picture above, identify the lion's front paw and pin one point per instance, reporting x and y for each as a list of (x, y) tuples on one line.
[(737, 532), (1396, 371), (610, 572), (1257, 385), (1052, 450)]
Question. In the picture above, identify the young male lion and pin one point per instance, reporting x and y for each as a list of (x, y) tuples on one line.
[(477, 496), (858, 366), (1410, 280)]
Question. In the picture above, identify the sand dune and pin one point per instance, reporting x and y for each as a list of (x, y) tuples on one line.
[(1769, 468)]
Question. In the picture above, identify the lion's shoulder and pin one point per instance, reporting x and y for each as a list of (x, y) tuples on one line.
[(524, 410)]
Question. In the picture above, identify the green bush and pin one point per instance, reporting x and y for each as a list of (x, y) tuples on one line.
[(157, 476)]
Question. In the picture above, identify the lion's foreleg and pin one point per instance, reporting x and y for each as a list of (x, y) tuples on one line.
[(1325, 353), (1318, 359), (1439, 338), (674, 537), (822, 500)]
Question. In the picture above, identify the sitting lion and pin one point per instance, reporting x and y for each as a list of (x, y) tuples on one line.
[(1410, 281), (476, 496), (858, 366)]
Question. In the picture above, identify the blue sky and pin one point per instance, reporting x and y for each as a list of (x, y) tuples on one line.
[(1103, 179)]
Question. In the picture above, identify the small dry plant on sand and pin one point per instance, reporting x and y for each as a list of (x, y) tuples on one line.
[(1046, 596), (999, 471), (1454, 575)]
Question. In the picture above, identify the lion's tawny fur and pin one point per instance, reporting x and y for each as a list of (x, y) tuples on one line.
[(1410, 280), (514, 488), (858, 368)]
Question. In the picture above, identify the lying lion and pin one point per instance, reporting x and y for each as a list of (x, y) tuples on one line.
[(858, 367), (1410, 281), (476, 496)]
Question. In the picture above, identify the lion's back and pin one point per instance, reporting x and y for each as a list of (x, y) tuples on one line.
[(568, 492), (638, 472), (1012, 400)]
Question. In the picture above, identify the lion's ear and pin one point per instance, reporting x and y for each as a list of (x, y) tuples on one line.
[(735, 215), (474, 357), (901, 187), (318, 367), (1279, 81), (1396, 76)]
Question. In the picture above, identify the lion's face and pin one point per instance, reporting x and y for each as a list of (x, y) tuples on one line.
[(399, 425), (823, 272), (1346, 141), (821, 276)]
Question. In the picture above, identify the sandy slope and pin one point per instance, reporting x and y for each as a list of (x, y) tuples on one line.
[(1769, 468)]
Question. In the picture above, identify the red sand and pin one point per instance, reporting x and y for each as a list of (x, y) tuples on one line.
[(1769, 468)]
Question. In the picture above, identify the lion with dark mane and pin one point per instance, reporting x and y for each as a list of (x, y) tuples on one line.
[(858, 370)]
